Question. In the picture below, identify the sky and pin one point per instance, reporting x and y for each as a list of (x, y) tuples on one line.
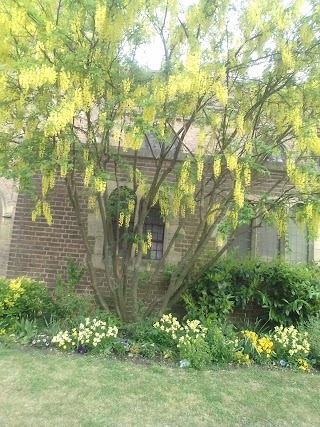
[(151, 55)]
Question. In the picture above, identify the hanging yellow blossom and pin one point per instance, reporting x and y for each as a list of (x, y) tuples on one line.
[(217, 167), (47, 212), (149, 239), (92, 201), (232, 161), (37, 210), (88, 174), (121, 219)]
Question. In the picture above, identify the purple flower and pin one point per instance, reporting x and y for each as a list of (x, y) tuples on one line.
[(81, 349), (283, 363)]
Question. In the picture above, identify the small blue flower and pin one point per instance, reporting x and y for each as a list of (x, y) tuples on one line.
[(283, 363)]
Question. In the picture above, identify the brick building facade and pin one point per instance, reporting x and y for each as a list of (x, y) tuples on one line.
[(41, 251)]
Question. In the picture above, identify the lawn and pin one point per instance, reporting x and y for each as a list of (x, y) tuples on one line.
[(44, 389)]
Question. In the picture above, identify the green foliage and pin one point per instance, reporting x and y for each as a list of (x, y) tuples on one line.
[(23, 297), (67, 302), (144, 333), (220, 338), (25, 330), (285, 292), (196, 351), (312, 327)]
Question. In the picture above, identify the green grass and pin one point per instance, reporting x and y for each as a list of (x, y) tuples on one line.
[(44, 389)]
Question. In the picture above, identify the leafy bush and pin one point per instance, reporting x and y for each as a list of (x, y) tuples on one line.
[(24, 298), (143, 333), (285, 292), (67, 302), (220, 338), (312, 327), (190, 339)]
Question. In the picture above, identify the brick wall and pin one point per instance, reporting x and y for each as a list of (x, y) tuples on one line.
[(40, 251)]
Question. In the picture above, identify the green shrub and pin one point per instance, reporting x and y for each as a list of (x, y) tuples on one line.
[(24, 298), (143, 332), (67, 302), (220, 338), (286, 293), (312, 328)]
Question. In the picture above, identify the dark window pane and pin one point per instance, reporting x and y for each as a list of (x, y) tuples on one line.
[(154, 223)]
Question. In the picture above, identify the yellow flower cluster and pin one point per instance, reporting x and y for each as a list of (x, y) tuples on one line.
[(217, 167), (247, 175), (92, 202), (37, 77), (232, 161), (296, 119), (287, 58), (100, 185), (48, 181), (63, 339), (280, 217), (91, 333), (192, 330), (240, 123), (64, 80), (212, 214), (290, 338), (11, 297), (243, 358), (200, 165), (265, 345), (164, 201), (234, 217), (253, 336), (126, 86), (121, 219), (47, 212), (132, 139), (303, 365), (95, 331), (221, 92), (42, 206), (88, 174), (37, 210), (149, 239), (148, 114), (169, 324), (59, 118), (238, 193)]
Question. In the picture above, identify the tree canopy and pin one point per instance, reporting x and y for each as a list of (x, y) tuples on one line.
[(243, 76)]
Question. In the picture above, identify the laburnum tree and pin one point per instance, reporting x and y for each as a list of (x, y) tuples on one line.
[(75, 102)]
